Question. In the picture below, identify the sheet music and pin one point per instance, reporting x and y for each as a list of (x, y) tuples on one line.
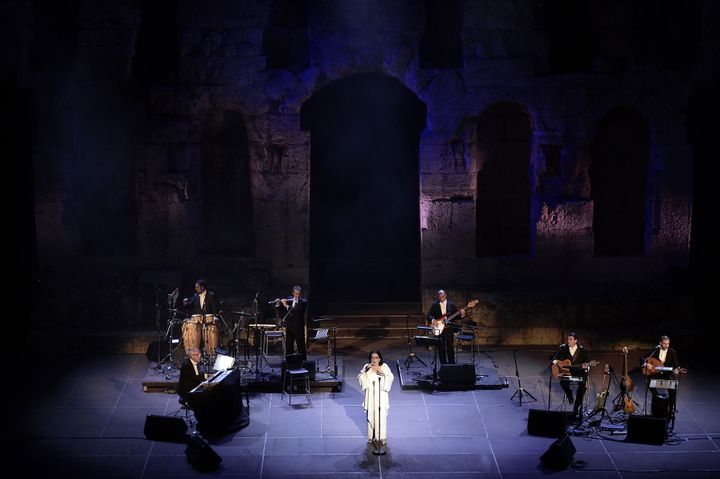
[(663, 383)]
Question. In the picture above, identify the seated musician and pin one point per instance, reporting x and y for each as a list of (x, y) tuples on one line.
[(666, 356), (578, 358), (190, 375)]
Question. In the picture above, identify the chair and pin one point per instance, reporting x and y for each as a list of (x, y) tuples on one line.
[(293, 374), (273, 337), (188, 415), (466, 336)]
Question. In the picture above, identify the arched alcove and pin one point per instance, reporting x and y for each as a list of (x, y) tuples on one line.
[(504, 133), (618, 183), (364, 190)]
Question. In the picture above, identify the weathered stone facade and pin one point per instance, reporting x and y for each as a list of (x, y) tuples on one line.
[(135, 143)]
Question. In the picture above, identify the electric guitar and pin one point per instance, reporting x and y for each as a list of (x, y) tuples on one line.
[(655, 366), (439, 324), (562, 367)]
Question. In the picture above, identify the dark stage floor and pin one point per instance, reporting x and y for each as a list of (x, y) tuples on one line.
[(84, 417)]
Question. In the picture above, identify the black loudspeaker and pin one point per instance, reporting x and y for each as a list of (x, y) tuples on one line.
[(559, 455), (201, 455), (165, 428), (548, 423), (457, 375), (646, 430), (660, 406)]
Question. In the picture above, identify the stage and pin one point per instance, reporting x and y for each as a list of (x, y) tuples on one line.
[(84, 417)]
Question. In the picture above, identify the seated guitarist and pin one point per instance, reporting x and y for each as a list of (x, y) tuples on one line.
[(578, 356), (669, 358), (439, 310)]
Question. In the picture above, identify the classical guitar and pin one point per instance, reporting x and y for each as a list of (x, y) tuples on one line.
[(562, 367), (655, 366), (602, 395), (626, 386), (439, 324)]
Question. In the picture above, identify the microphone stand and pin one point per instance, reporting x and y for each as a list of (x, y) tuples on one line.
[(520, 391), (157, 325), (551, 376), (411, 355), (380, 450)]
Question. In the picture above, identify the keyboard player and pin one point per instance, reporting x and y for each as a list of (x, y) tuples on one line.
[(190, 375)]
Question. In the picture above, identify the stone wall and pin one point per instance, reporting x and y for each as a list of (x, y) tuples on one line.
[(150, 119)]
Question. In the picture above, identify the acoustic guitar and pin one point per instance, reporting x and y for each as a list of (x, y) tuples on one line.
[(562, 367), (602, 395), (655, 366), (439, 324)]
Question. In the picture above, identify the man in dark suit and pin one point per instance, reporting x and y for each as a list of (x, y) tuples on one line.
[(579, 358), (439, 310), (295, 317), (669, 358), (190, 375), (203, 301)]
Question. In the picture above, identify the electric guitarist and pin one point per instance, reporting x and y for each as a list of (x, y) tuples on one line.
[(579, 360), (440, 310)]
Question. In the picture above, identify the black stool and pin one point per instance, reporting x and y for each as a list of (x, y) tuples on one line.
[(294, 373)]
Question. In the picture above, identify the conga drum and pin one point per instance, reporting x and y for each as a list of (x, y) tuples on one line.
[(211, 335), (191, 334)]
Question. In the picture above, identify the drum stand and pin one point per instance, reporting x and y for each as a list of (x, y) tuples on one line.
[(169, 358)]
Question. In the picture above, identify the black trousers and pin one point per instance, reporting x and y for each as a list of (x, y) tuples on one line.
[(446, 349), (582, 387), (295, 335)]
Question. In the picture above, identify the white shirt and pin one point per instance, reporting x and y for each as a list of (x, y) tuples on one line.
[(197, 373), (202, 299), (662, 355), (572, 350), (295, 300), (443, 307)]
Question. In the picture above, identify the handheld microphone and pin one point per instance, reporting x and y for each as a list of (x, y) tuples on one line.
[(563, 345)]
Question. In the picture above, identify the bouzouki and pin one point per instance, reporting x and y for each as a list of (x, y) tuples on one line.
[(562, 367), (439, 324), (655, 366)]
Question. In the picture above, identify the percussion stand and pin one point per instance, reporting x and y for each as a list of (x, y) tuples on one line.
[(168, 334)]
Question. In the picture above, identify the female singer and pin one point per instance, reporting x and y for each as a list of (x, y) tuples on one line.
[(376, 379)]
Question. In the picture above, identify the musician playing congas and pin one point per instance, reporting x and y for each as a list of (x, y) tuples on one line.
[(572, 354), (203, 301), (439, 311)]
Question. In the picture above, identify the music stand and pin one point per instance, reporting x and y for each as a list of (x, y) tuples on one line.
[(430, 341)]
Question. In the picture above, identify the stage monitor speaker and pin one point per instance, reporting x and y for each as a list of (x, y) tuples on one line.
[(559, 455), (457, 375), (548, 423), (201, 455), (646, 430), (165, 428)]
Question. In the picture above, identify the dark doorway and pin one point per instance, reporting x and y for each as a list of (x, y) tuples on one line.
[(364, 190)]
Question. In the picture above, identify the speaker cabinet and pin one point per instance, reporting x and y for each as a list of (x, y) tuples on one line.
[(461, 375), (201, 455), (164, 428), (646, 430), (548, 423), (559, 455)]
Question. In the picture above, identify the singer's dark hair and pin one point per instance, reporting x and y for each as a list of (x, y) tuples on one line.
[(375, 351), (573, 334), (663, 338), (202, 283)]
